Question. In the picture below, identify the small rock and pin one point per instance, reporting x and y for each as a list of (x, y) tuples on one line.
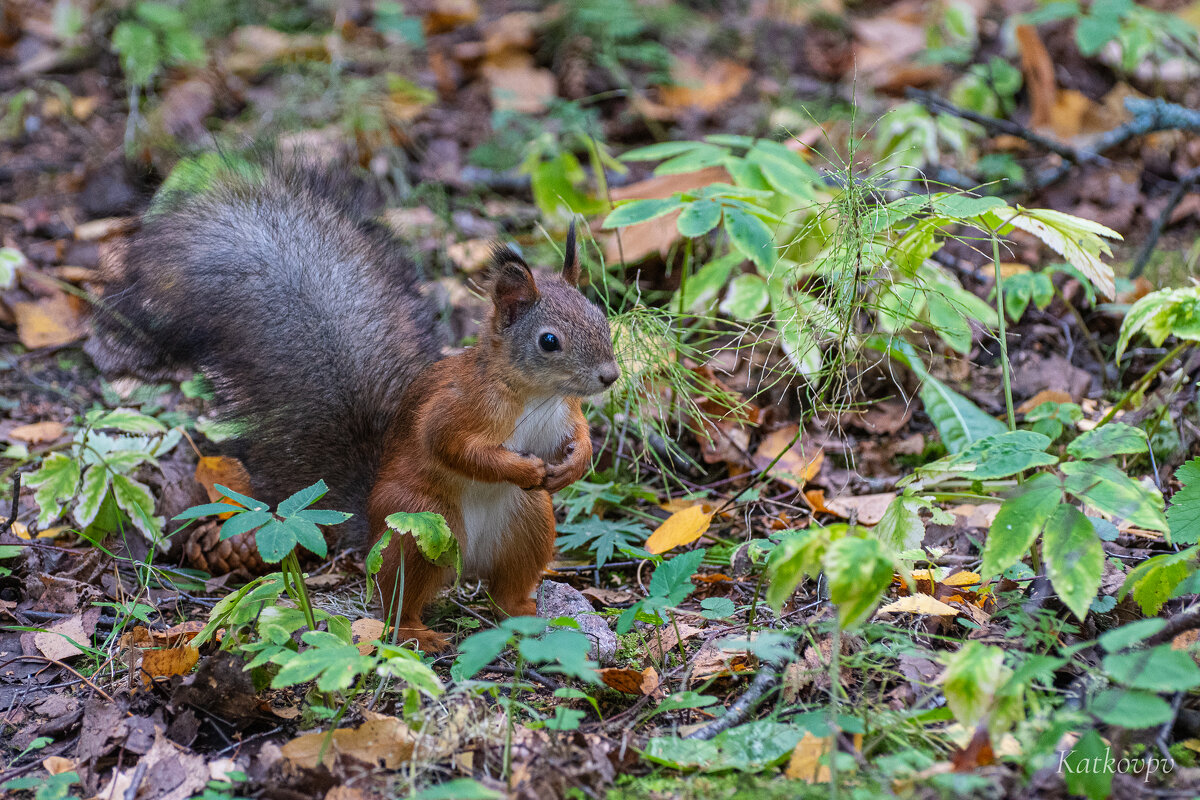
[(561, 600)]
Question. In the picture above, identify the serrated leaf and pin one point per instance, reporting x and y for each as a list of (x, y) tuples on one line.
[(91, 495), (1079, 241), (1018, 522), (974, 674), (274, 539), (1074, 558), (660, 150), (1004, 454), (1108, 440), (56, 480), (204, 510), (238, 497), (1154, 580), (1130, 708), (1167, 312), (672, 579), (137, 502), (307, 535), (1158, 669), (901, 527), (1103, 486), (1184, 514), (433, 536), (244, 521), (798, 555), (478, 650), (859, 571), (637, 211), (320, 516), (126, 419), (302, 499)]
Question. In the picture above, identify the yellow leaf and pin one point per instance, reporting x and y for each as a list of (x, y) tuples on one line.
[(962, 579), (920, 604), (804, 764), (680, 528), (171, 661)]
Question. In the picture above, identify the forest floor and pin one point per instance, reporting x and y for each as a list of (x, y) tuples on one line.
[(786, 558)]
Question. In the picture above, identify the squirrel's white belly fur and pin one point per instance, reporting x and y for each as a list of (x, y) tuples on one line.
[(488, 508)]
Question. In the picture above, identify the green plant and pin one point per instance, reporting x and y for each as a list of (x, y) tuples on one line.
[(48, 787), (1143, 34), (989, 88), (601, 536), (156, 36), (94, 477)]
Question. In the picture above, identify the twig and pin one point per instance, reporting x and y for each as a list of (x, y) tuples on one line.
[(1182, 187), (1183, 621), (16, 504), (1143, 382), (763, 681), (526, 672)]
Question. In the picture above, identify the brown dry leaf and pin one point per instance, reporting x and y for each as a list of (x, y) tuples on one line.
[(801, 462), (164, 663), (1039, 76), (608, 597), (229, 472), (513, 31), (470, 256), (978, 752), (64, 639), (57, 765), (670, 640), (656, 235), (919, 604), (870, 507), (1071, 114), (345, 793), (804, 764), (711, 661), (682, 527), (366, 631), (700, 87), (883, 418), (385, 741), (98, 229), (816, 501), (1044, 396), (971, 515), (187, 773), (516, 84), (51, 321), (630, 681), (256, 46), (446, 15), (37, 432)]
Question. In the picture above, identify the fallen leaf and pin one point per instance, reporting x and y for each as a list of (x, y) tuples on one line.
[(919, 604), (870, 507), (978, 752), (257, 46), (516, 84), (630, 681), (797, 465), (171, 661), (57, 765), (962, 579), (51, 321), (1044, 396), (804, 765), (387, 742), (446, 15), (682, 527), (1039, 76), (701, 87), (64, 639), (657, 235), (37, 432), (365, 632), (472, 255), (670, 640), (187, 772), (227, 471)]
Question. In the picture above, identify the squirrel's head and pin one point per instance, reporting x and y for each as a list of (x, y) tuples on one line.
[(554, 337)]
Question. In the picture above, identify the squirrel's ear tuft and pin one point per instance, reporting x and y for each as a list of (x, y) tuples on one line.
[(570, 271), (513, 287)]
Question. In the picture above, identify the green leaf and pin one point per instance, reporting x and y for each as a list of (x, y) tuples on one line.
[(798, 555), (319, 516), (1184, 514), (1130, 709), (746, 297), (901, 527), (703, 287), (1118, 639), (91, 495), (948, 322), (205, 510), (704, 155), (964, 207), (244, 521), (307, 535), (566, 653), (752, 747), (859, 572), (138, 47), (1018, 522), (1093, 32), (1103, 486), (973, 677), (1158, 669), (478, 650), (125, 419), (1108, 440), (637, 211), (160, 15), (699, 218), (1074, 558), (672, 579), (332, 663), (274, 540), (135, 499), (751, 236), (302, 499), (1003, 454), (1167, 312), (433, 536), (10, 259), (1154, 581), (56, 480), (1079, 241), (248, 502), (1082, 776), (654, 152)]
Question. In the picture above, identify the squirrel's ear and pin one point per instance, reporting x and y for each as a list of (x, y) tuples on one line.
[(513, 287), (570, 270)]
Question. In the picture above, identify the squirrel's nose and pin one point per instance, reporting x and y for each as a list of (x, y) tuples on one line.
[(608, 374)]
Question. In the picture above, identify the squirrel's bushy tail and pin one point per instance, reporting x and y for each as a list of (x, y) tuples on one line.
[(304, 314)]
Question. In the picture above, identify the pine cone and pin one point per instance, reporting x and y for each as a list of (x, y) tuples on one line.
[(205, 551)]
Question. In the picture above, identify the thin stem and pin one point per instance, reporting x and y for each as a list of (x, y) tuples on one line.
[(291, 563), (1004, 365), (835, 682), (1143, 382)]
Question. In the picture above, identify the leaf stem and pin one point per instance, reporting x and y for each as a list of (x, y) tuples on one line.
[(1142, 383), (1006, 368)]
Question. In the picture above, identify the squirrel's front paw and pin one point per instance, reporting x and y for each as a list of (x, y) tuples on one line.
[(565, 472), (530, 473)]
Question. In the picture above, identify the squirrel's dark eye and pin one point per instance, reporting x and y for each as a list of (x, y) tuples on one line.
[(549, 342)]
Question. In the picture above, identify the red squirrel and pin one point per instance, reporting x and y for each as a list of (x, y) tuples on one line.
[(278, 284)]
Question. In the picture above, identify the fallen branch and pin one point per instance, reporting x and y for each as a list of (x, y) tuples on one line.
[(742, 707), (16, 504), (1182, 187), (1183, 621)]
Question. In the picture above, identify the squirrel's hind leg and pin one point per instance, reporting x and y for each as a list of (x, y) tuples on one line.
[(529, 546)]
